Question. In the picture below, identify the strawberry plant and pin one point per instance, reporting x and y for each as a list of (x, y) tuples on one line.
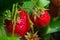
[(29, 20)]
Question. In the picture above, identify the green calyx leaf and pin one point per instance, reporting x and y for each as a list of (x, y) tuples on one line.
[(7, 14), (42, 3)]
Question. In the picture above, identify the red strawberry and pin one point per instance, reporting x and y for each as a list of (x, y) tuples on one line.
[(23, 13), (42, 20), (8, 27), (20, 29), (22, 26)]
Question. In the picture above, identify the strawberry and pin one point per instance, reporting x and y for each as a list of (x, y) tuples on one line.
[(42, 20), (20, 29), (8, 25), (22, 26), (23, 13)]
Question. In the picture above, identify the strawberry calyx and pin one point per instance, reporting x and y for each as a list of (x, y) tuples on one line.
[(38, 12)]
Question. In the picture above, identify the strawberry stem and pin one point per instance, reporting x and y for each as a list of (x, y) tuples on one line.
[(14, 19), (32, 28), (13, 11), (34, 4)]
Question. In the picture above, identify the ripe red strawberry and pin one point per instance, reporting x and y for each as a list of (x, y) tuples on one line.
[(23, 22), (42, 20), (24, 15), (8, 27), (22, 26), (20, 29)]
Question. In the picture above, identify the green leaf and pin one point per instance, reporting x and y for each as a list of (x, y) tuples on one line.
[(3, 35), (54, 26), (7, 14), (43, 3), (27, 4), (13, 38)]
